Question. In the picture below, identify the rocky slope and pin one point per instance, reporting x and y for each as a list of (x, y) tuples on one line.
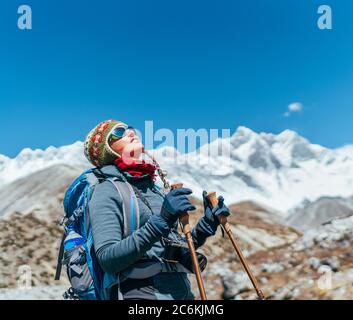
[(313, 214), (318, 265), (40, 193), (30, 211), (255, 228), (27, 241), (286, 262)]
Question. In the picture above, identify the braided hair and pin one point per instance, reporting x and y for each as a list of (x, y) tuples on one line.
[(161, 173)]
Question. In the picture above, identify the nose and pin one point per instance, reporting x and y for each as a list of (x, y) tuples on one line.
[(130, 133)]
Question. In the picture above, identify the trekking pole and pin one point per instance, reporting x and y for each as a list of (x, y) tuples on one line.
[(184, 220), (226, 227)]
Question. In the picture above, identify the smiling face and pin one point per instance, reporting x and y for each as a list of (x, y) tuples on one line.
[(129, 146)]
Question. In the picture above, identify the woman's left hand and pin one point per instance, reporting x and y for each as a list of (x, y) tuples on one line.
[(212, 214), (208, 224)]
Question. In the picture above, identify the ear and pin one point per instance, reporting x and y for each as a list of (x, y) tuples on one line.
[(113, 148)]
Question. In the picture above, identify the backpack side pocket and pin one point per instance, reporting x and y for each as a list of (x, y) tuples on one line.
[(77, 267)]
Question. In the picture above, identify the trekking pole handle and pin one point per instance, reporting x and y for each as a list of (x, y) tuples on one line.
[(212, 196), (184, 221)]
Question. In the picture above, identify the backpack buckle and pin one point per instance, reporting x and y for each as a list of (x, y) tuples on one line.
[(65, 221)]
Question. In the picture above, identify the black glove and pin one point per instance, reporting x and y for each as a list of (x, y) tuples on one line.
[(208, 224), (177, 250), (175, 204), (186, 260), (212, 214)]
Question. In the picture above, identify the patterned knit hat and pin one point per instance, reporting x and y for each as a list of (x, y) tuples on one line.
[(97, 149)]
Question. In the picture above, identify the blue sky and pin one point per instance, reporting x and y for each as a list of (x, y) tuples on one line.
[(183, 64)]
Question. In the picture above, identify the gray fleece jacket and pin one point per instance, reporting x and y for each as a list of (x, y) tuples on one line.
[(115, 253)]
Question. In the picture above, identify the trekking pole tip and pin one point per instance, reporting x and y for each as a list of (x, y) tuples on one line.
[(261, 295)]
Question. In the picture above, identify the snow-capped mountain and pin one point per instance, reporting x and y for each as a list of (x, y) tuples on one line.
[(279, 171), (276, 170), (29, 161)]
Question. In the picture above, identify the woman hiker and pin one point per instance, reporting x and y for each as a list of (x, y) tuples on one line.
[(117, 151)]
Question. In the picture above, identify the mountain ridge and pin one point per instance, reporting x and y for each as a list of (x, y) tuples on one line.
[(279, 171)]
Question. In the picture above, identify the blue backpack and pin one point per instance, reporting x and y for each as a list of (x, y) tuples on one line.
[(88, 280)]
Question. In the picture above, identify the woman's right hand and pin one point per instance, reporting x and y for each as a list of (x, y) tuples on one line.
[(175, 204)]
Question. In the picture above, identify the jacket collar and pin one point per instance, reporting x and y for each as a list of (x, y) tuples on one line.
[(113, 172)]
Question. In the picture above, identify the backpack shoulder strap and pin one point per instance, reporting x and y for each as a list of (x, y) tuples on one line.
[(131, 212)]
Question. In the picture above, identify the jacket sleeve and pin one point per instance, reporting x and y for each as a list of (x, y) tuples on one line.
[(202, 231), (114, 253)]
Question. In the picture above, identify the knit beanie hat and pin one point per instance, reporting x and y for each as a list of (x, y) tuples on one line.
[(96, 146)]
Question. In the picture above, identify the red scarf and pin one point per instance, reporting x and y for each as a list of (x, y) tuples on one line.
[(136, 169)]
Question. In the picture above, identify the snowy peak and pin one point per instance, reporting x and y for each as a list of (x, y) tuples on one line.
[(346, 151), (275, 170), (3, 161), (289, 137), (249, 147), (270, 152), (29, 161), (242, 136)]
